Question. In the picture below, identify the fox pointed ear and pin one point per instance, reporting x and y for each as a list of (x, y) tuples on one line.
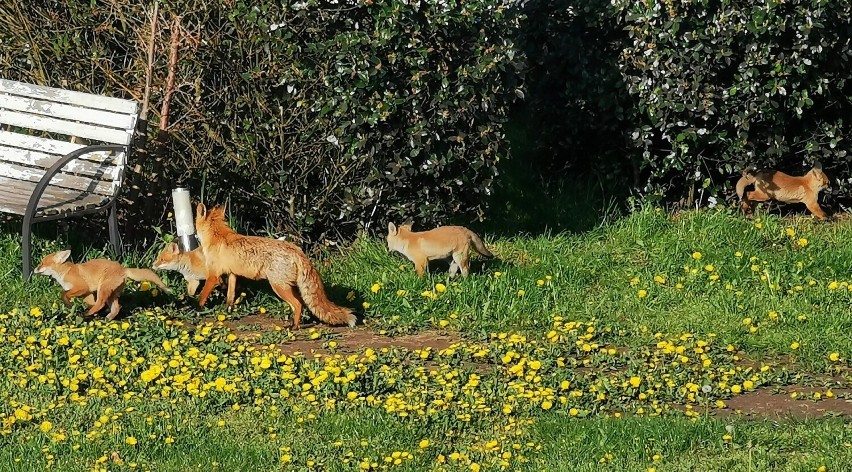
[(173, 248), (818, 165), (201, 210), (218, 213), (63, 256), (409, 223), (391, 228)]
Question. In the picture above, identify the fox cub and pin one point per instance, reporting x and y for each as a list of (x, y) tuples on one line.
[(284, 265), (191, 265), (776, 185), (443, 242), (98, 281)]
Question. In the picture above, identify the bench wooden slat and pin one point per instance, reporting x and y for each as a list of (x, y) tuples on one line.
[(68, 181), (46, 145), (98, 102), (54, 200), (106, 119), (54, 125), (92, 164)]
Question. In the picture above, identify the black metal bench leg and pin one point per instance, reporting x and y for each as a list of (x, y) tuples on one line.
[(26, 250), (114, 236)]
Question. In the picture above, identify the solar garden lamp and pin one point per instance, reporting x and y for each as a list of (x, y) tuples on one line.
[(184, 219)]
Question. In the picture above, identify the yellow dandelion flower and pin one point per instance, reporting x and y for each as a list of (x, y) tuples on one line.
[(424, 444), (366, 305), (539, 282), (375, 288), (834, 356), (802, 242), (709, 268), (130, 440), (795, 345), (521, 293), (440, 288), (642, 293), (635, 381), (45, 426), (696, 255)]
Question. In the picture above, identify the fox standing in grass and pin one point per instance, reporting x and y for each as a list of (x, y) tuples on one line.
[(443, 242), (98, 281), (776, 185), (288, 269), (192, 265)]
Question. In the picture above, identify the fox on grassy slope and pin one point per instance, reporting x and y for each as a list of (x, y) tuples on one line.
[(443, 242), (98, 281), (284, 265), (776, 185)]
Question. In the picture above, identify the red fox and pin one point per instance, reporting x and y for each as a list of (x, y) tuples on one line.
[(98, 281), (190, 264), (776, 185), (440, 243), (284, 265)]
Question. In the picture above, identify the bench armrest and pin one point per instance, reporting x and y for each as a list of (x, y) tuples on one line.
[(32, 205)]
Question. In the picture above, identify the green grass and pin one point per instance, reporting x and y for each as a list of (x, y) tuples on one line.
[(602, 277)]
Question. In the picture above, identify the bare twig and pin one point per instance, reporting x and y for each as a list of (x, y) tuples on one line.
[(149, 67)]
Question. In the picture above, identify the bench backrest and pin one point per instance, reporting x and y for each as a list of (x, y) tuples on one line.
[(38, 125)]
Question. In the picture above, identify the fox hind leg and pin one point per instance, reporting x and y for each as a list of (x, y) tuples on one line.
[(114, 305), (461, 259), (289, 295), (454, 268)]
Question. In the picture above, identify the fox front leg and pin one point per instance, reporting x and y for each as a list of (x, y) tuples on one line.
[(209, 284)]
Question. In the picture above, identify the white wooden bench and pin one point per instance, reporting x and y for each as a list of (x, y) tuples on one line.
[(44, 173)]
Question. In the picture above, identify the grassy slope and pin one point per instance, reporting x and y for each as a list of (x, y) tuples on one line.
[(593, 275)]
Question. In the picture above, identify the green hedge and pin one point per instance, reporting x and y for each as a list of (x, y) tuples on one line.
[(314, 117), (685, 94)]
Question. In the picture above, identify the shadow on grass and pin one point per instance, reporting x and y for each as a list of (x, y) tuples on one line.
[(525, 202)]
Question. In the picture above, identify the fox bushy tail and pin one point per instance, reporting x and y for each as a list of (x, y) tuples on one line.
[(146, 274), (313, 293), (478, 245)]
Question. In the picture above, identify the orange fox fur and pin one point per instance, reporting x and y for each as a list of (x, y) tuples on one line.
[(191, 265), (98, 281), (284, 265), (776, 185), (439, 243)]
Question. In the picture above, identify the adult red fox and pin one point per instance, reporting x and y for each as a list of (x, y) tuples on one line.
[(284, 265)]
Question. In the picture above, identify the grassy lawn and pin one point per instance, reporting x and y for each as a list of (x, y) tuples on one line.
[(641, 344)]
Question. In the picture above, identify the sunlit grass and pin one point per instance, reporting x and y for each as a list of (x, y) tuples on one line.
[(616, 348)]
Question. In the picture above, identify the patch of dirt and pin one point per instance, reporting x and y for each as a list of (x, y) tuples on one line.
[(766, 403), (349, 340)]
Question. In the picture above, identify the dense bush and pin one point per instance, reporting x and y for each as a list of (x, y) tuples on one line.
[(313, 117), (577, 105), (726, 85), (700, 89)]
